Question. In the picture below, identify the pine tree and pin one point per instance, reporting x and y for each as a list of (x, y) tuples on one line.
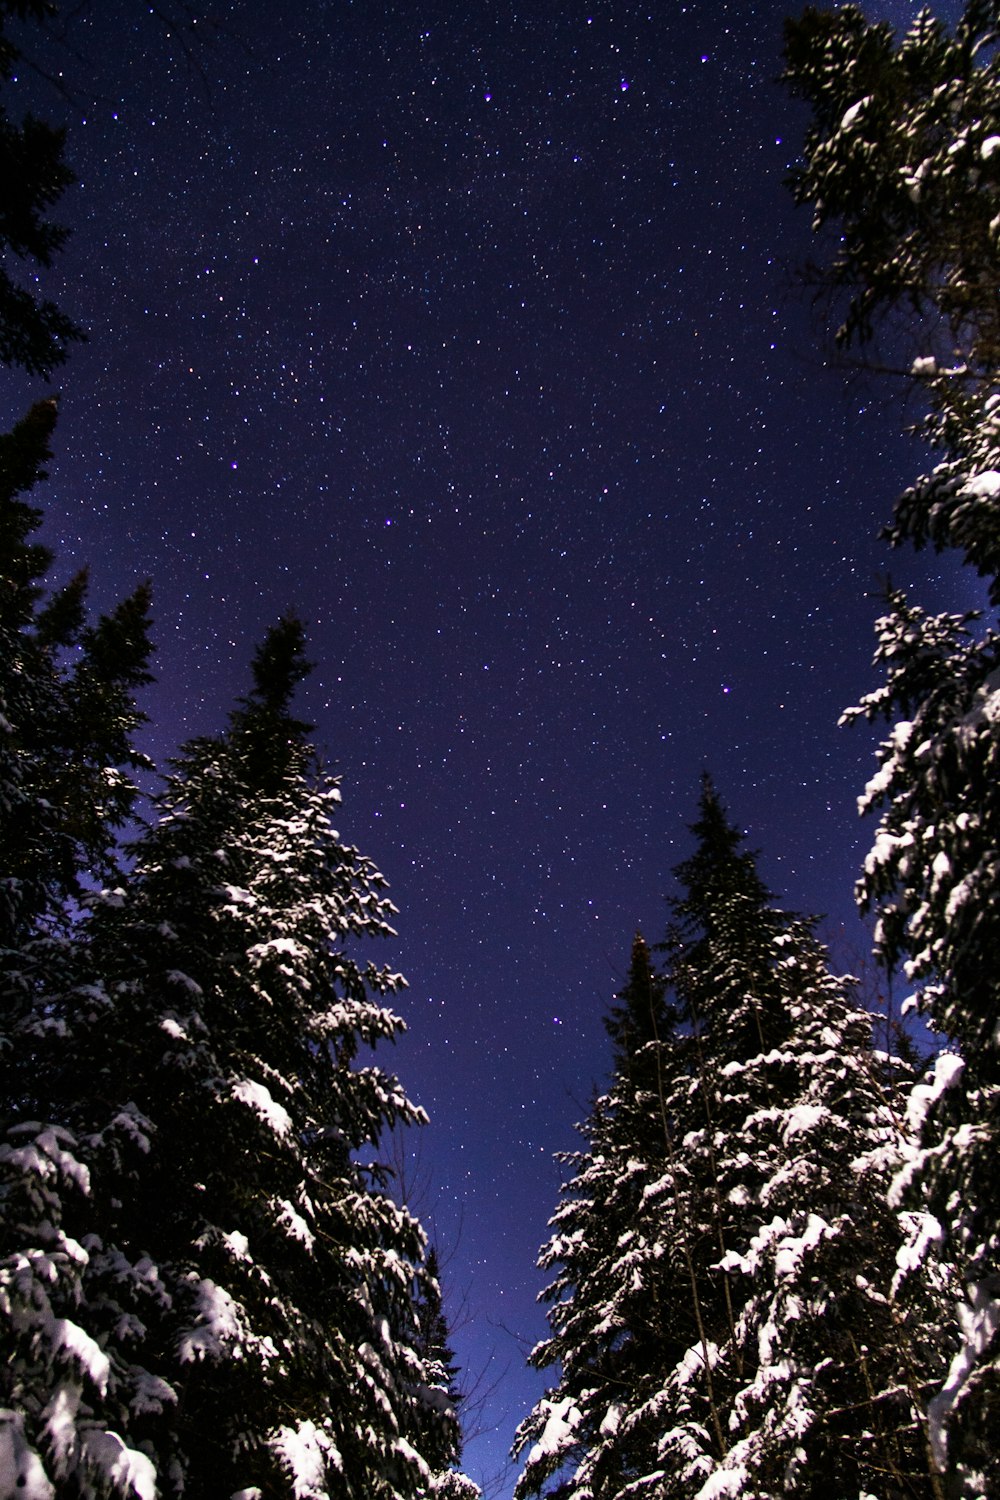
[(816, 1367), (67, 701), (725, 1318), (612, 1336), (67, 720), (901, 158), (34, 333), (254, 1286), (903, 161), (434, 1348)]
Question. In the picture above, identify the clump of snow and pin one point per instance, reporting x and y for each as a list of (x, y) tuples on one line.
[(306, 1452), (612, 1420), (793, 1247), (729, 1481), (219, 1324), (130, 1472), (86, 1355), (924, 1233), (263, 1104), (851, 115), (561, 1420), (984, 486), (21, 1470), (947, 1070), (292, 1220), (978, 1320), (284, 945), (803, 1118)]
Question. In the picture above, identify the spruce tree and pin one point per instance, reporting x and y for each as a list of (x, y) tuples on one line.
[(209, 1289), (253, 1281), (67, 760), (441, 1373), (724, 1311), (902, 162), (613, 1334), (67, 710)]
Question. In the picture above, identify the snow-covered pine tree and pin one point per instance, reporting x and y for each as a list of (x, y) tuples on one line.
[(441, 1372), (731, 1329), (902, 161), (253, 1284), (816, 1366), (67, 720), (243, 1311), (614, 1334)]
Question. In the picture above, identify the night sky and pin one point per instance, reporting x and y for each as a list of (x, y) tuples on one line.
[(470, 332)]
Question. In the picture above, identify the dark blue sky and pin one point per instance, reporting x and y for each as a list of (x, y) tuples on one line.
[(469, 331)]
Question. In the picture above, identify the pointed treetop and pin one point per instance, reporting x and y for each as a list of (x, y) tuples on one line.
[(279, 665), (718, 867), (23, 455), (262, 729), (25, 450), (639, 1015)]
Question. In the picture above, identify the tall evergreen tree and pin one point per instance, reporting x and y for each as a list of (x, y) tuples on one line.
[(67, 720), (613, 1334), (67, 701), (270, 1294), (441, 1373), (240, 1309), (723, 1314), (902, 161)]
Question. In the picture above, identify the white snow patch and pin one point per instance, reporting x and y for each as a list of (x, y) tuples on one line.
[(86, 1355), (130, 1472), (306, 1452), (562, 1419), (978, 1321), (924, 1234), (21, 1471), (851, 115), (264, 1105), (612, 1420), (279, 945), (219, 1326), (984, 486), (60, 1423), (724, 1482), (947, 1070), (290, 1218), (802, 1118), (792, 1248)]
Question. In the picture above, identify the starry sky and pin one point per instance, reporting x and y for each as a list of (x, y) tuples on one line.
[(470, 331)]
